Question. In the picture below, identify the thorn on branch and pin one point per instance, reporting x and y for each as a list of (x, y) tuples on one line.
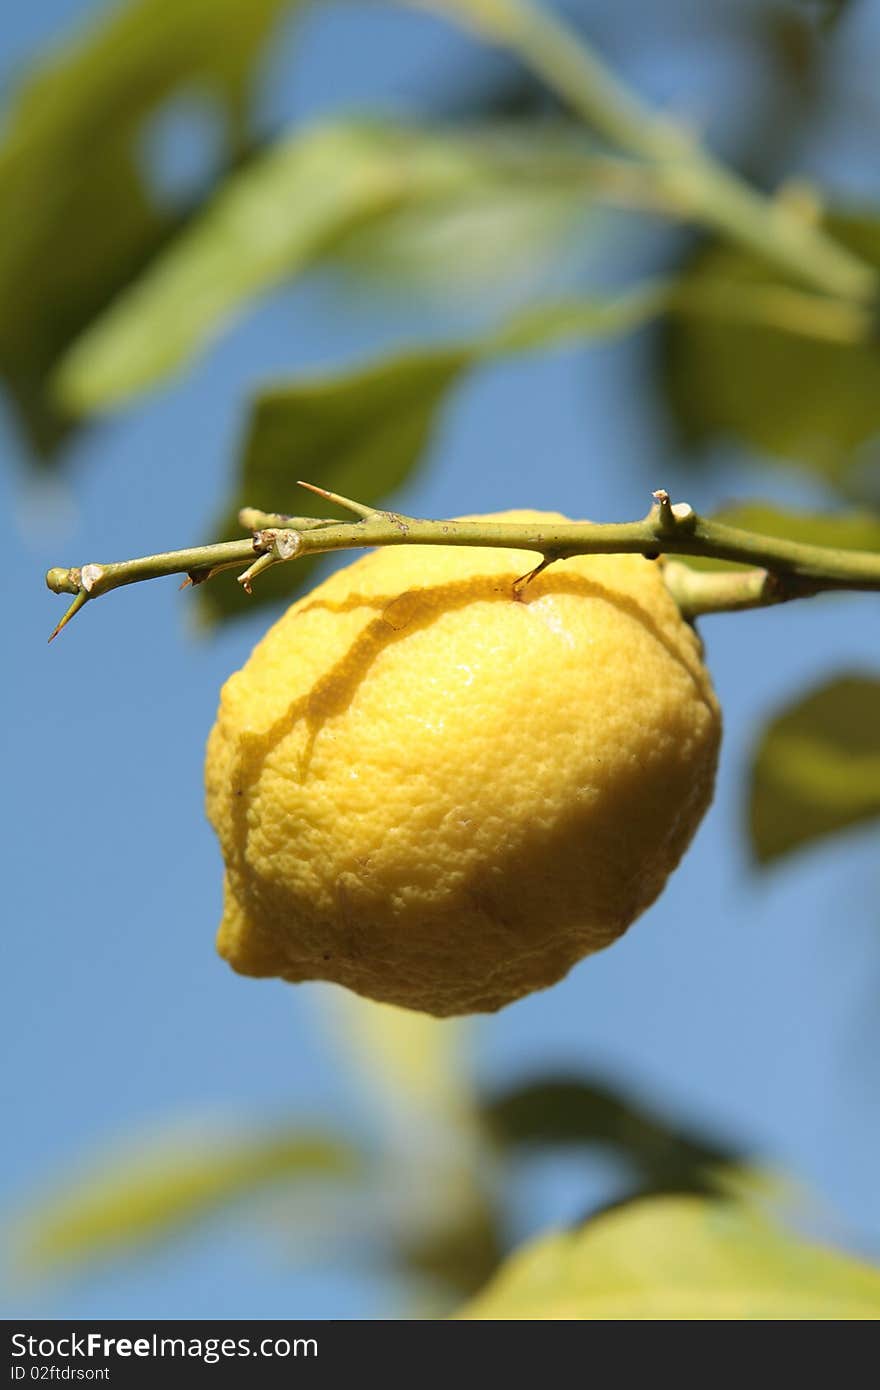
[(79, 602), (525, 579), (201, 576), (359, 508)]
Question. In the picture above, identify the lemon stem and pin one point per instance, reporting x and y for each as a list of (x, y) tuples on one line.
[(779, 570)]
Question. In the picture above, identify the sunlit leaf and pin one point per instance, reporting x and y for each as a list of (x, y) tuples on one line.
[(79, 221), (679, 1259), (816, 769), (571, 1111), (138, 1197), (778, 381), (296, 203), (362, 433), (535, 188)]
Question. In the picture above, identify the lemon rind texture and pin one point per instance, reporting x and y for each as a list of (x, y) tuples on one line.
[(441, 793)]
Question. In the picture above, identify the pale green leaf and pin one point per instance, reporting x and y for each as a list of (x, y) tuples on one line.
[(293, 205), (142, 1195), (536, 190), (679, 1259), (778, 381), (79, 221), (816, 769)]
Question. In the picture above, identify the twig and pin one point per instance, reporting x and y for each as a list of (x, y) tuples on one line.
[(782, 569)]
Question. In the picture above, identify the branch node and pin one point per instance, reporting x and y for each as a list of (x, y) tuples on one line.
[(63, 581), (671, 518), (275, 547), (288, 544), (90, 575)]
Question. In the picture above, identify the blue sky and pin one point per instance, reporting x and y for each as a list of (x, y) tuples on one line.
[(746, 1002)]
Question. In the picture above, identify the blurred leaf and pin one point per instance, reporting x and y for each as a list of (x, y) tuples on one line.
[(442, 1221), (679, 1259), (537, 188), (296, 203), (775, 387), (554, 1111), (410, 1061), (359, 435), (140, 1197), (362, 433), (826, 13), (817, 767), (79, 220), (460, 1247), (856, 530), (842, 530)]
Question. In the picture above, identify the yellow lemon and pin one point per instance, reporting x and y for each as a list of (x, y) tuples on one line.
[(442, 791)]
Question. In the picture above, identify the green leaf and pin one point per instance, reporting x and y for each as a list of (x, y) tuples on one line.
[(79, 219), (571, 1111), (679, 1259), (536, 189), (358, 435), (816, 769), (361, 434), (136, 1198), (292, 206), (788, 375)]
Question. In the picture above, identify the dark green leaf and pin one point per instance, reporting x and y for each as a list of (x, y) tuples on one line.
[(817, 767), (79, 221), (679, 1259), (772, 369), (359, 435), (138, 1198), (571, 1111)]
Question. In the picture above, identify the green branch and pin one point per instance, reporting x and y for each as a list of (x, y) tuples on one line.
[(686, 173), (781, 569)]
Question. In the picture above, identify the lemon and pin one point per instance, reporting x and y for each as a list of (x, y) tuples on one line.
[(441, 791)]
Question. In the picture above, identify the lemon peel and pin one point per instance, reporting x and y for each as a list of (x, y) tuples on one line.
[(441, 790)]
